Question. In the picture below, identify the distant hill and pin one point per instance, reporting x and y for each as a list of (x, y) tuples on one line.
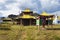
[(35, 14)]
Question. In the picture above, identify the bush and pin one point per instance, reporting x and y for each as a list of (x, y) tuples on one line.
[(56, 38)]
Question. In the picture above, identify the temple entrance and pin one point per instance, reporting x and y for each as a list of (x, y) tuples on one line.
[(26, 22)]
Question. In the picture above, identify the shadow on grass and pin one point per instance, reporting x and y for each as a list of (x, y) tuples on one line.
[(4, 28)]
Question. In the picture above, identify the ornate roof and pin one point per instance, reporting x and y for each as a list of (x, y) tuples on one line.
[(45, 14)]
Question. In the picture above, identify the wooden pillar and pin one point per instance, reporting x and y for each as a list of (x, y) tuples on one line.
[(52, 22), (21, 21), (48, 22)]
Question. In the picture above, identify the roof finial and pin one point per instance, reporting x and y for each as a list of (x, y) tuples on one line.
[(27, 10)]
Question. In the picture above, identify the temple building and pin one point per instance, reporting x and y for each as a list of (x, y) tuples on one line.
[(48, 18), (7, 20), (26, 18)]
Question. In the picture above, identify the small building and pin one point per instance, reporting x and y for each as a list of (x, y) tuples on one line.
[(48, 18), (7, 20), (26, 18)]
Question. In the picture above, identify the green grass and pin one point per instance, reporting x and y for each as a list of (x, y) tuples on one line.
[(18, 32)]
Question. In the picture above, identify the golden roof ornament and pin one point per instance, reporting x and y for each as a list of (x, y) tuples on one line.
[(27, 10)]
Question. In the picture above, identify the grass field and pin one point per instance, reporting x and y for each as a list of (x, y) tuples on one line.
[(18, 32)]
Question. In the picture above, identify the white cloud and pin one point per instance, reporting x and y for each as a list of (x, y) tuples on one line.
[(44, 3), (57, 13), (56, 2), (6, 13), (2, 1), (17, 6), (11, 6), (1, 15), (32, 4), (49, 3), (14, 7)]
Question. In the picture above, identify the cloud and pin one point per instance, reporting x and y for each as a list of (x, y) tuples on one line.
[(10, 1), (6, 13), (1, 15), (50, 5), (2, 1), (11, 8), (32, 4), (14, 6), (3, 7), (57, 13)]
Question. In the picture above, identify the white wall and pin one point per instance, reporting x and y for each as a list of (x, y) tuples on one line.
[(55, 21)]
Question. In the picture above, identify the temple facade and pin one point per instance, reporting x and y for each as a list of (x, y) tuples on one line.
[(26, 18)]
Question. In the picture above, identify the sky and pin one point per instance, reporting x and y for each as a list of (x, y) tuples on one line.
[(16, 6)]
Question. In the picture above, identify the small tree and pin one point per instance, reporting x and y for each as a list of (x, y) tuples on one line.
[(12, 17)]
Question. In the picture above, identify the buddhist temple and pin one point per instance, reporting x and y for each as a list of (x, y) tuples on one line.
[(26, 18), (47, 17)]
